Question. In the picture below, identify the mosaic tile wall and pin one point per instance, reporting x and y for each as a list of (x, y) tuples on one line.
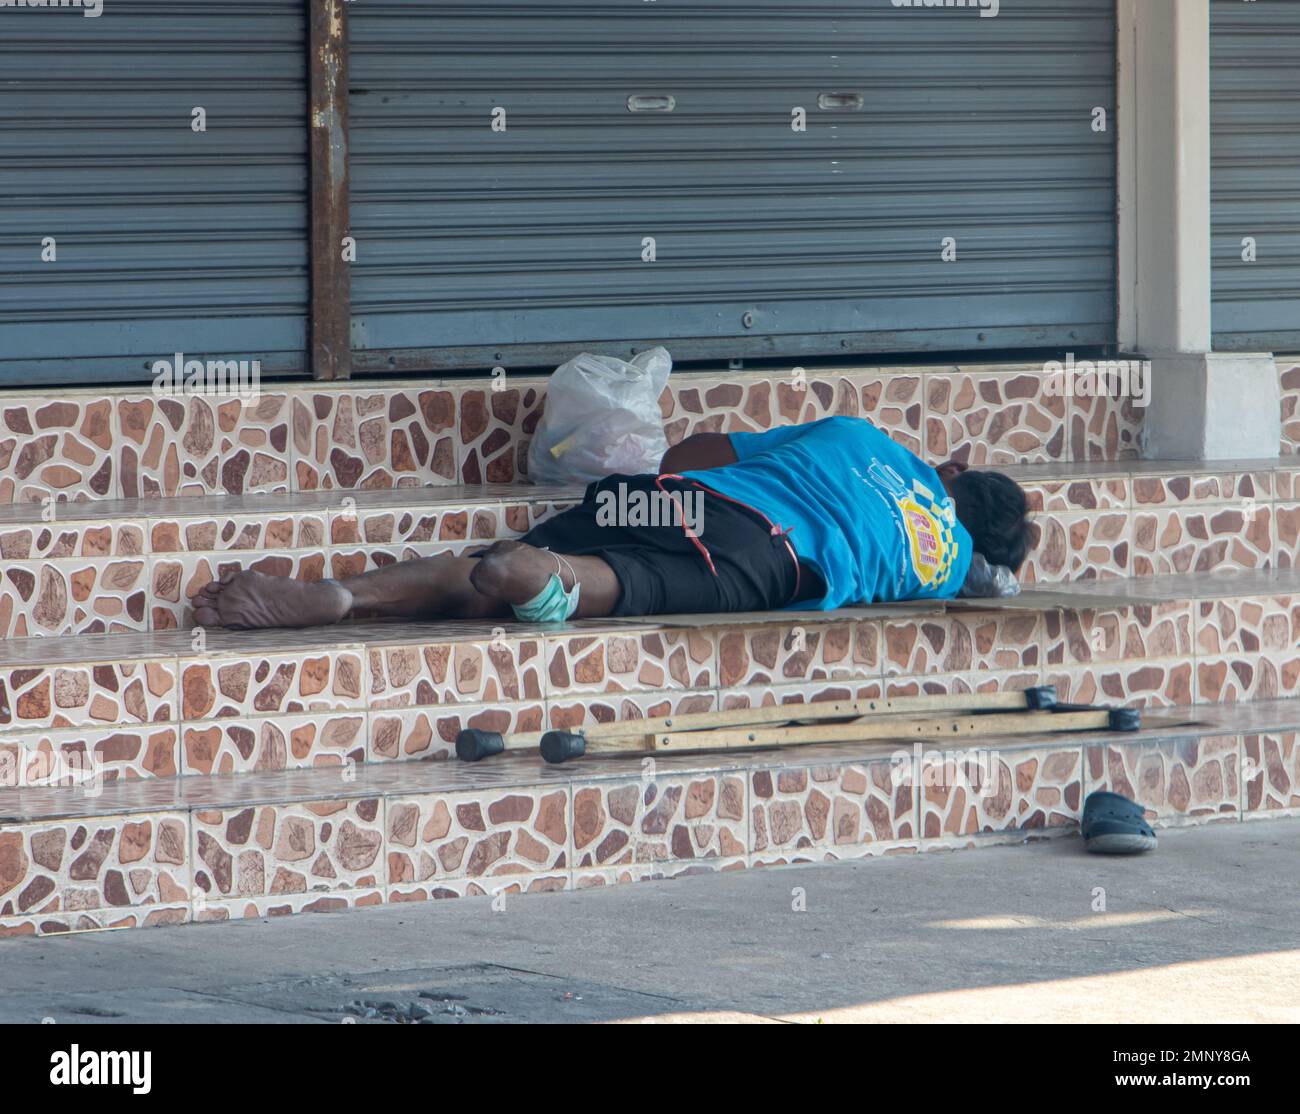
[(69, 570), (380, 694), (1158, 524), (365, 436), (136, 572), (170, 866), (82, 574)]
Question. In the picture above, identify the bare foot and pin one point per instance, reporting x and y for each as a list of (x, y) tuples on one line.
[(252, 600), (514, 572)]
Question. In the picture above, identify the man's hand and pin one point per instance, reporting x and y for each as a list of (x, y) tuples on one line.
[(698, 453)]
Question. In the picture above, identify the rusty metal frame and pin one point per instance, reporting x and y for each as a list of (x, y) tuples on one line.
[(330, 355)]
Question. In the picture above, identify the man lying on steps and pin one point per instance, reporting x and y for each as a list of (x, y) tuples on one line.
[(814, 516)]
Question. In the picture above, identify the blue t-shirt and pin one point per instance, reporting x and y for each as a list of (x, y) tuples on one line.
[(872, 518)]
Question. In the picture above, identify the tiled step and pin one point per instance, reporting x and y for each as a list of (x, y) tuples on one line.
[(110, 707), (131, 564), (104, 444), (257, 844), (99, 444)]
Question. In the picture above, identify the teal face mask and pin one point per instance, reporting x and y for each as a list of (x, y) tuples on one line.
[(553, 604)]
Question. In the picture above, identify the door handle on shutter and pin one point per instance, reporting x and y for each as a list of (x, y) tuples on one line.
[(840, 102), (646, 102)]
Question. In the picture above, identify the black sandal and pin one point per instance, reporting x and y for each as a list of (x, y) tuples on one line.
[(1114, 825)]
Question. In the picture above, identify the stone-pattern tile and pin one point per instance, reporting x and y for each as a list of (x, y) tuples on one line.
[(1243, 490), (430, 732), (78, 874), (1141, 656), (73, 596), (970, 792), (1202, 539), (222, 687), (56, 450), (379, 438), (282, 742), (585, 711), (595, 877), (1070, 496), (1290, 387), (1270, 773), (414, 675), (1286, 530), (545, 835), (962, 684), (813, 692), (284, 905), (172, 581), (1247, 649), (202, 445), (283, 849), (237, 533), (83, 759), (655, 660), (801, 814), (59, 537), (495, 429), (124, 692), (310, 437), (798, 652), (1002, 641), (993, 418), (1105, 427), (345, 562), (1067, 547), (1237, 678), (1129, 683), (481, 837), (1144, 633), (1186, 782), (658, 820), (393, 527), (751, 403)]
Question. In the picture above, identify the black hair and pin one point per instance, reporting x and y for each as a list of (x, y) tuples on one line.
[(995, 512)]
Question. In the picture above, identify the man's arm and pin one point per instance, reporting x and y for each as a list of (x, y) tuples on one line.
[(716, 450), (698, 453)]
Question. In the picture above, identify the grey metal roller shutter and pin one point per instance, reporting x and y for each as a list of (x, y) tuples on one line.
[(477, 245), (167, 240), (1255, 91)]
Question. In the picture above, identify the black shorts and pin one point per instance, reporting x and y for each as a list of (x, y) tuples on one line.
[(735, 563)]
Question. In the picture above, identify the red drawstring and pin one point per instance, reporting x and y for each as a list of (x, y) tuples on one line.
[(681, 509), (775, 529)]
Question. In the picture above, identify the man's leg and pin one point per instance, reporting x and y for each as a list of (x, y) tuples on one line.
[(444, 587)]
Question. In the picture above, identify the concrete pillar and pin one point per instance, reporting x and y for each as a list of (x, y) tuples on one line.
[(1204, 405)]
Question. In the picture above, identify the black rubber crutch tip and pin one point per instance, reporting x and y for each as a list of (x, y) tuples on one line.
[(1125, 719), (473, 744), (560, 746), (1041, 698)]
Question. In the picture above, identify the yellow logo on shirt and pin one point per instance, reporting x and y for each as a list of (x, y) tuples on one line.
[(928, 525)]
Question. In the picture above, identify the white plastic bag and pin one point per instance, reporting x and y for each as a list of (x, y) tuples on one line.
[(602, 417)]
